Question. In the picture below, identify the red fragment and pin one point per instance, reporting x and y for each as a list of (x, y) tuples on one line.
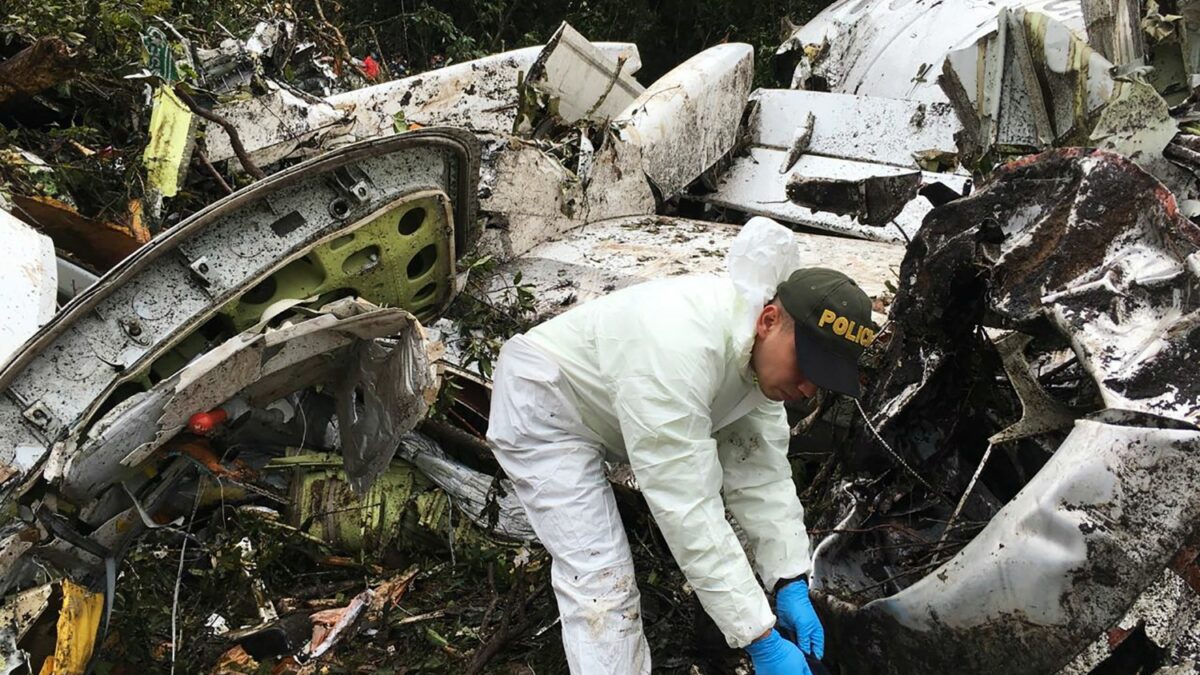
[(1117, 635), (370, 68), (202, 423)]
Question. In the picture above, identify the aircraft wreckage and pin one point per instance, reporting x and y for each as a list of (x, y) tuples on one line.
[(1012, 182)]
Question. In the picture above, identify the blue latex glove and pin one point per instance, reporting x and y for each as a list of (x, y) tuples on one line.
[(798, 620), (772, 655)]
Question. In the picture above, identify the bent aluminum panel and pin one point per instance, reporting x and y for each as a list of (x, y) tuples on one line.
[(1055, 567), (111, 333)]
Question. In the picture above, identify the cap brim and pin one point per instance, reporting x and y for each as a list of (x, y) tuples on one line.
[(825, 368)]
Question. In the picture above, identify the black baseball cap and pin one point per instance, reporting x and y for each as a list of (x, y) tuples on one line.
[(833, 326)]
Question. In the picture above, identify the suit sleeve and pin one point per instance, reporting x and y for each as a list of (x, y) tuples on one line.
[(662, 406), (760, 493)]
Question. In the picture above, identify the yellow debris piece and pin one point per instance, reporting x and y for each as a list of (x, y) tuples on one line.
[(77, 625), (171, 142)]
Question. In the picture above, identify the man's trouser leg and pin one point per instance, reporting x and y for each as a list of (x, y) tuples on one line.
[(537, 436)]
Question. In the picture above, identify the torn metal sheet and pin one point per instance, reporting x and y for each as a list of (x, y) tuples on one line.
[(1171, 36), (1114, 29), (1030, 84), (688, 119), (856, 142), (1129, 296), (537, 199), (1184, 152), (28, 283), (472, 492), (613, 186), (152, 302), (896, 49), (261, 368), (258, 588), (278, 124), (78, 623), (1169, 614), (871, 197), (582, 81), (331, 626), (1091, 243), (383, 392), (1072, 245), (120, 530), (19, 614), (594, 260), (1058, 564), (534, 194), (1137, 123), (388, 594), (862, 128), (1040, 412), (13, 659), (479, 95), (1189, 40), (15, 543), (754, 185), (232, 62)]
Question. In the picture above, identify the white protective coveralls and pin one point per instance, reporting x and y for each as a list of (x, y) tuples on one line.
[(658, 375)]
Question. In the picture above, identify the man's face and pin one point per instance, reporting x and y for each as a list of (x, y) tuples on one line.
[(774, 357)]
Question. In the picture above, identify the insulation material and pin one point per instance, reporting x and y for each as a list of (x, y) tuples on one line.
[(471, 491), (381, 395)]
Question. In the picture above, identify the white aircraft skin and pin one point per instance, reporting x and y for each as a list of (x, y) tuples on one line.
[(895, 48)]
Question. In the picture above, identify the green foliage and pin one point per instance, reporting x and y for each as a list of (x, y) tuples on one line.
[(99, 109), (214, 581), (423, 35), (107, 33), (107, 114), (217, 579), (490, 310)]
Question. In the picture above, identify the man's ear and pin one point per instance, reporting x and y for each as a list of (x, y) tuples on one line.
[(768, 316)]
